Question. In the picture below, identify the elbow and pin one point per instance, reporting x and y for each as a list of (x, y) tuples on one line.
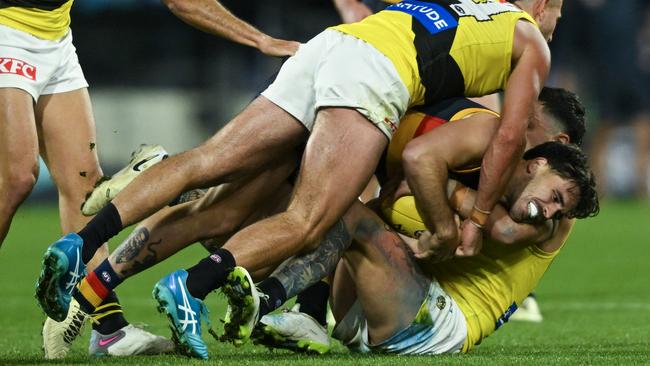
[(413, 157), (502, 234), (511, 139)]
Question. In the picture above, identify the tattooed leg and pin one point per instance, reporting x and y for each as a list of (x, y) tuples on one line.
[(217, 215), (302, 271), (389, 283)]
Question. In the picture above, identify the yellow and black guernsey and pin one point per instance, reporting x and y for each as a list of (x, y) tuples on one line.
[(421, 120), (45, 19), (444, 48)]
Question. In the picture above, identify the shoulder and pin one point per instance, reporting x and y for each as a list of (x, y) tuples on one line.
[(560, 233), (528, 38)]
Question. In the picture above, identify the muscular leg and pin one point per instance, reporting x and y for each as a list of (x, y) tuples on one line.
[(340, 157), (389, 284), (18, 153), (66, 129), (260, 134), (219, 213)]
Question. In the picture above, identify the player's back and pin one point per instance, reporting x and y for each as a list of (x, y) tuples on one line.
[(46, 19), (444, 48), (421, 120)]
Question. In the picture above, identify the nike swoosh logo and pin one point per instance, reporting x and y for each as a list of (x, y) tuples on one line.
[(103, 342), (137, 166)]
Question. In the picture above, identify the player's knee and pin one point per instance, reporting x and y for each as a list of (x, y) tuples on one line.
[(19, 182), (76, 186)]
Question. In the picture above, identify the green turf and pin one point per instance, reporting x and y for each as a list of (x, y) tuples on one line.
[(595, 299)]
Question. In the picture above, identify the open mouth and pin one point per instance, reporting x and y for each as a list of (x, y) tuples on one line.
[(533, 211)]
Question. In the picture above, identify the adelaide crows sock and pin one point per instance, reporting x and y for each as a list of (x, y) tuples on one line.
[(210, 273), (108, 317), (105, 225), (97, 286)]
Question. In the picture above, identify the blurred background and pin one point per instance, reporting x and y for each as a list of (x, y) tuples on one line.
[(154, 79)]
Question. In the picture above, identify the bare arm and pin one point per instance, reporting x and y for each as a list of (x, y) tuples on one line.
[(500, 227), (352, 11), (428, 158), (211, 17), (532, 62)]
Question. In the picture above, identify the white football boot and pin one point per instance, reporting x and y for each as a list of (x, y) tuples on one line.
[(528, 311), (58, 336), (108, 187), (292, 330), (128, 341)]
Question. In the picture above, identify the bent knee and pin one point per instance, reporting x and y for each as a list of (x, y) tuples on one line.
[(19, 182)]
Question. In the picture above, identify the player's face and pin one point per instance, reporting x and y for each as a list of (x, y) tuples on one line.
[(545, 196), (548, 18)]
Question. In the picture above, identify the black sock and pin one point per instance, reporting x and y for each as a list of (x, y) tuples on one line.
[(105, 225), (210, 273), (276, 293), (313, 301), (109, 317)]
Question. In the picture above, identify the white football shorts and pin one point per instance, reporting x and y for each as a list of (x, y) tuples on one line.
[(39, 66), (438, 328), (334, 69)]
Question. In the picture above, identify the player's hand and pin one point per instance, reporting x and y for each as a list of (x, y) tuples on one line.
[(277, 47), (437, 248), (471, 240), (354, 12), (430, 248)]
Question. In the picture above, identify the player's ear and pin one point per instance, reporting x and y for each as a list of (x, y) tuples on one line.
[(533, 165), (562, 138), (538, 8)]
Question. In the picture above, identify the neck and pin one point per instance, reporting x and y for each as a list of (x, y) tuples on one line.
[(526, 6)]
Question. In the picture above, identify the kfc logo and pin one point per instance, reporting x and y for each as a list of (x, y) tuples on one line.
[(17, 67)]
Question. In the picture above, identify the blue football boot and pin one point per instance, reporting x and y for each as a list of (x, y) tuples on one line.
[(62, 269), (184, 313)]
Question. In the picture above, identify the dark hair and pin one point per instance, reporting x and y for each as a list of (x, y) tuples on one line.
[(569, 162), (565, 107)]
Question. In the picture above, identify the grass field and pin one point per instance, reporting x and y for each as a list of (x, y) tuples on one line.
[(595, 299)]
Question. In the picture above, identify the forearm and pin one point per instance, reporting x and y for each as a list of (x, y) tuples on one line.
[(341, 5), (212, 17), (427, 178), (499, 226), (498, 165)]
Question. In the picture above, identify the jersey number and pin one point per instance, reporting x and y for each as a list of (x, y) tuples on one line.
[(482, 10)]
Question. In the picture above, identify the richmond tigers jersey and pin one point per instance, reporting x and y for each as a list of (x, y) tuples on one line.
[(421, 120), (490, 286), (444, 48), (46, 19)]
